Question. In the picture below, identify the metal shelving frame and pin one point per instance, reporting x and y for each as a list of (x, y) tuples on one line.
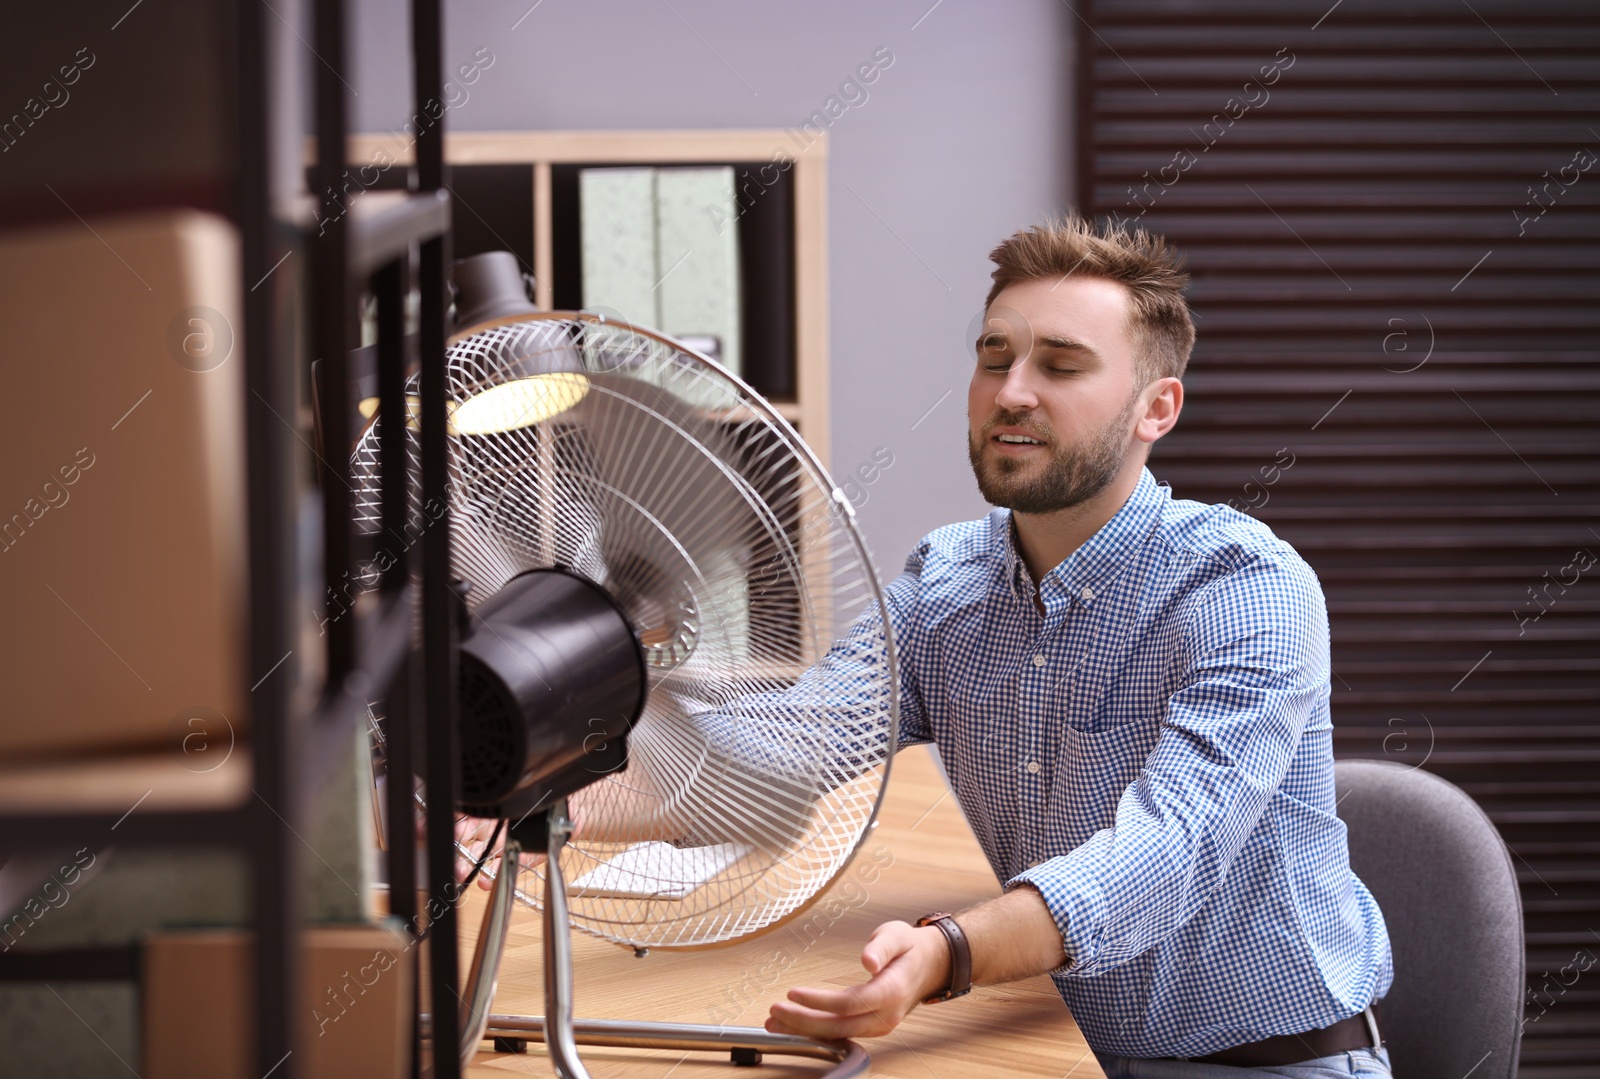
[(369, 656)]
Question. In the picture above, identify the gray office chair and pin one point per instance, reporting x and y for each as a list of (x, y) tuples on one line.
[(1443, 877)]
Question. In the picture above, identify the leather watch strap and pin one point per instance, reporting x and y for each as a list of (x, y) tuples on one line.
[(960, 956)]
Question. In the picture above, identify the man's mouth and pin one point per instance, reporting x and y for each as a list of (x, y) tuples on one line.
[(1014, 440)]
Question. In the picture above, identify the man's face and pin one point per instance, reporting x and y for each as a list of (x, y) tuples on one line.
[(1052, 403)]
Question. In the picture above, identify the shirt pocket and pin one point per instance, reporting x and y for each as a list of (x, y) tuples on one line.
[(1123, 687), (1118, 709), (1094, 771)]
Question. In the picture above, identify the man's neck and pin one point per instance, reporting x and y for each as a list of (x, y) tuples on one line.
[(1045, 540)]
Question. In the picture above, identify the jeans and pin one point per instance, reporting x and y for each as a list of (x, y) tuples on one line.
[(1352, 1064)]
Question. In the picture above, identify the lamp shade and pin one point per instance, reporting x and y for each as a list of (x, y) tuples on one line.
[(489, 287), (537, 375)]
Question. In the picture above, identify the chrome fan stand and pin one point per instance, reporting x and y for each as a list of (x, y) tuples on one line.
[(484, 976), (560, 1031)]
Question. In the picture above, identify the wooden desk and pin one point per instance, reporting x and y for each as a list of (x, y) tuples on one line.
[(921, 857)]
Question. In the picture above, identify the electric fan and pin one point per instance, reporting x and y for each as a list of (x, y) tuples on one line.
[(656, 570)]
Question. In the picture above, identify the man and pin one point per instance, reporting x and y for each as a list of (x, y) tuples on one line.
[(1130, 696)]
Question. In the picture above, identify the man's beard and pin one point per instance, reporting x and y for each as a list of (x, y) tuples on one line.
[(1070, 477)]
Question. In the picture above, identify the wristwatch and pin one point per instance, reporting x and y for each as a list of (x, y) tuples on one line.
[(960, 956)]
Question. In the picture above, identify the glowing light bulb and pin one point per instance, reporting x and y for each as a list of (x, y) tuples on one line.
[(368, 407), (521, 402)]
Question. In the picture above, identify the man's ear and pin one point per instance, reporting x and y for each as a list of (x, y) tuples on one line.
[(1163, 400)]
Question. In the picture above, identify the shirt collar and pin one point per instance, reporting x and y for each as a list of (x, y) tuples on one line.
[(1090, 569)]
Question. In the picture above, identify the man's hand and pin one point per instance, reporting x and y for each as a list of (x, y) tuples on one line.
[(473, 833), (1012, 936), (906, 965)]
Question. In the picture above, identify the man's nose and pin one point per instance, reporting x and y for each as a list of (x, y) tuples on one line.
[(1017, 393)]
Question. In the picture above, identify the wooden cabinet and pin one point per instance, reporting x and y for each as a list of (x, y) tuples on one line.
[(518, 191)]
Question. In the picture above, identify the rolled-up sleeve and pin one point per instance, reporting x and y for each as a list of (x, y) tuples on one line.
[(1255, 657)]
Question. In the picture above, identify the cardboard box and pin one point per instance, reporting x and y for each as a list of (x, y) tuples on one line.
[(122, 499), (354, 1007)]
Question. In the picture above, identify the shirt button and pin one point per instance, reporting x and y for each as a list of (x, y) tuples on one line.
[(1039, 660), (1087, 594), (1033, 768)]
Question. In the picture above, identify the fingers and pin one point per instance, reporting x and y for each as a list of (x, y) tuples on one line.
[(870, 1009), (527, 861), (789, 1018), (867, 1010), (472, 833), (874, 995), (463, 868)]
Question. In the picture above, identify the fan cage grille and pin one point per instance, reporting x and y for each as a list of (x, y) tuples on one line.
[(674, 486)]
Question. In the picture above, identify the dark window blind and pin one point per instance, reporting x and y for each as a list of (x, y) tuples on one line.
[(1391, 212)]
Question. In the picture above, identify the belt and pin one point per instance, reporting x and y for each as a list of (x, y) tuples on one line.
[(1359, 1031)]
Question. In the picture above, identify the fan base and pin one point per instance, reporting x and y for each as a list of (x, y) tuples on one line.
[(563, 1033), (745, 1045)]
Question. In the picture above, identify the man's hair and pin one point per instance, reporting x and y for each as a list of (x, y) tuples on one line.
[(1148, 265)]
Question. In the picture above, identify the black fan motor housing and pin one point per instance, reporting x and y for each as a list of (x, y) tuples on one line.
[(552, 678)]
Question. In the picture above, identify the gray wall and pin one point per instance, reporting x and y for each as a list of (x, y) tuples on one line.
[(965, 138)]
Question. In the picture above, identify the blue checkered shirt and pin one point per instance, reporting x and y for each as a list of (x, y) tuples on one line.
[(1154, 755)]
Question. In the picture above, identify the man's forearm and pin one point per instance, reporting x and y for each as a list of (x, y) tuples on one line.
[(1013, 936)]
